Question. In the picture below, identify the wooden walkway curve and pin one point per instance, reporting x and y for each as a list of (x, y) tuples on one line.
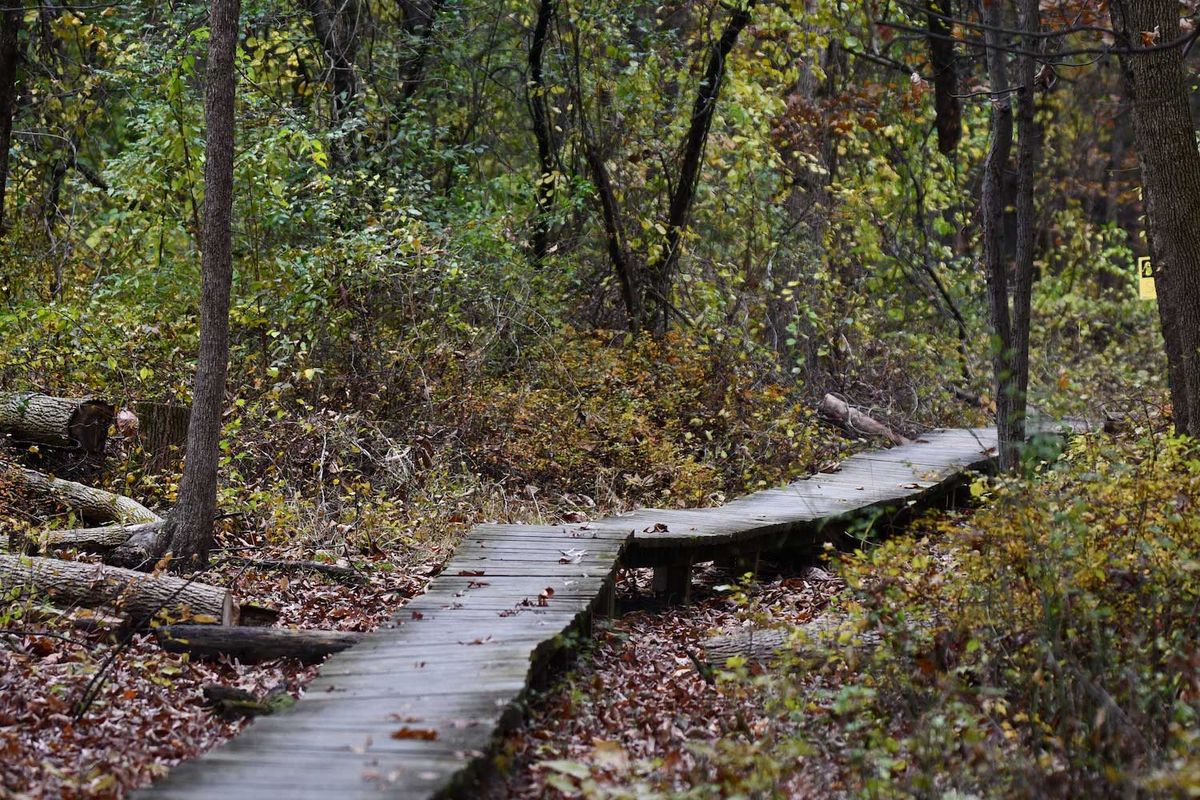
[(413, 710)]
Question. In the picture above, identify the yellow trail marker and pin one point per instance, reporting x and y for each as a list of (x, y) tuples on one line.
[(1146, 290)]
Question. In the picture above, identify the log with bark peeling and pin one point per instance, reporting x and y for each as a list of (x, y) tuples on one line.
[(856, 421), (136, 594), (56, 421), (254, 644)]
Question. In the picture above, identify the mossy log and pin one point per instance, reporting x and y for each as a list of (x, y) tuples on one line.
[(56, 421), (137, 594), (254, 644)]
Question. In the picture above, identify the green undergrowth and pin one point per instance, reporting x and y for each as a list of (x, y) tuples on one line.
[(1043, 646)]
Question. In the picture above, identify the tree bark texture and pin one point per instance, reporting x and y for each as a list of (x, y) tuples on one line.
[(254, 644), (137, 594), (540, 118), (336, 25), (942, 61), (10, 26), (189, 529), (1165, 139), (1029, 135), (417, 20), (162, 432), (758, 645), (56, 421), (992, 227)]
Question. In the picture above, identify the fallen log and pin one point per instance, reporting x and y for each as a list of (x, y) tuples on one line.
[(90, 540), (756, 645), (254, 644), (56, 421), (137, 594), (89, 620), (94, 505), (856, 421), (234, 703), (334, 571), (763, 645)]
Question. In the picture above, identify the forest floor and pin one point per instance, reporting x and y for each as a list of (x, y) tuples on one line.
[(641, 715), (94, 714)]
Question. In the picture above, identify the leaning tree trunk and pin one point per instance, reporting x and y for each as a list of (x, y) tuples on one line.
[(1165, 140), (992, 226), (10, 26), (189, 530), (56, 421), (137, 594)]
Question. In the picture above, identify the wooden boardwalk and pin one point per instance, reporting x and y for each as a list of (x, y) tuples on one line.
[(413, 711)]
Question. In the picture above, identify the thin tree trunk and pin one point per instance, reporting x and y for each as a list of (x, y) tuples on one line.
[(419, 17), (10, 26), (663, 273), (337, 33), (1028, 151), (628, 276), (992, 225), (189, 528), (544, 190), (1165, 139), (946, 102)]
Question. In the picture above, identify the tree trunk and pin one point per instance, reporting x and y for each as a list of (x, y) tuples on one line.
[(947, 105), (189, 529), (544, 190), (137, 594), (254, 644), (336, 30), (1165, 140), (1028, 152), (629, 277), (418, 18), (93, 505), (662, 274), (56, 421), (992, 226), (10, 26)]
